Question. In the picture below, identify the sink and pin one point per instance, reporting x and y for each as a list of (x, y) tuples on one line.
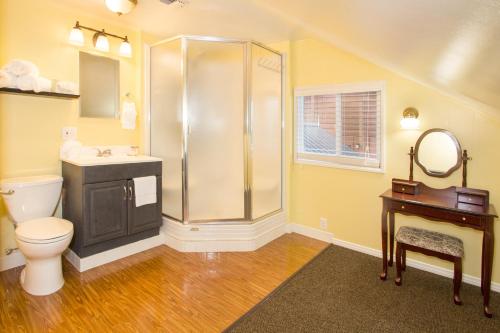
[(95, 160)]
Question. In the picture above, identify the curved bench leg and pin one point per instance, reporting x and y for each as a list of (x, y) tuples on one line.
[(403, 266), (457, 281), (399, 279)]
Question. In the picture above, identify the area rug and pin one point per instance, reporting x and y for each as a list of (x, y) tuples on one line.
[(339, 291)]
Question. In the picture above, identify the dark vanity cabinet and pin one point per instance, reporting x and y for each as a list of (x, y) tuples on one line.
[(100, 201)]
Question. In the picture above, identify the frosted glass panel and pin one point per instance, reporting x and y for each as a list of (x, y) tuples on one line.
[(215, 85), (166, 121), (266, 131)]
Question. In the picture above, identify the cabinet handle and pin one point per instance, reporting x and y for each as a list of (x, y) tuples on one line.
[(130, 192), (124, 192)]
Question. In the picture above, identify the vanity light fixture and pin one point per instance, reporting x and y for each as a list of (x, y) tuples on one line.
[(410, 119), (76, 35), (121, 6), (101, 42), (100, 39), (125, 48)]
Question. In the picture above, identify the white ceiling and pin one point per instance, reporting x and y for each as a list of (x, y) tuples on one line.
[(450, 44)]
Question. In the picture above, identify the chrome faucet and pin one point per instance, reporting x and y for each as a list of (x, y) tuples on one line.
[(103, 153)]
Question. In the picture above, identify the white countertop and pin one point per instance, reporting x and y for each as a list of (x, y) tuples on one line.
[(94, 160)]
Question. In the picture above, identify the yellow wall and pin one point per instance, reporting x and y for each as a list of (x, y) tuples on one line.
[(349, 199), (30, 127)]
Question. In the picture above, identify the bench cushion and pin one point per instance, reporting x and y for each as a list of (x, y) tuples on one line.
[(431, 240)]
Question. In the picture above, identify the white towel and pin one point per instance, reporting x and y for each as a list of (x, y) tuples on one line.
[(66, 87), (21, 67), (145, 190), (7, 80), (128, 115), (70, 149), (33, 82)]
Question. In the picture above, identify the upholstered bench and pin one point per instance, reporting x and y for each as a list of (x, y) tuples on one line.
[(434, 244)]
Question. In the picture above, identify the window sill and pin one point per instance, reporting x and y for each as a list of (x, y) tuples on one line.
[(339, 166)]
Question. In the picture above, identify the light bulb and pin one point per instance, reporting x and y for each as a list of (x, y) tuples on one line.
[(101, 42), (410, 123), (121, 6), (76, 36), (126, 49)]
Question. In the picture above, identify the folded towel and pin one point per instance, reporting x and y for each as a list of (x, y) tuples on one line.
[(7, 80), (21, 67), (70, 149), (34, 82), (128, 115), (145, 190), (66, 87)]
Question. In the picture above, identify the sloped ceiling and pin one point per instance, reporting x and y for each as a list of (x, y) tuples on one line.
[(450, 44)]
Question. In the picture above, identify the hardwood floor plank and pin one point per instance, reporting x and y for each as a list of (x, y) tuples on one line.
[(159, 290)]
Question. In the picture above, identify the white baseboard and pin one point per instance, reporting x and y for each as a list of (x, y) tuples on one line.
[(83, 264), (318, 234), (329, 237), (223, 237), (12, 260)]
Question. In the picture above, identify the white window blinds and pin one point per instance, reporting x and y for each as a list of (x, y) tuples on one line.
[(340, 127)]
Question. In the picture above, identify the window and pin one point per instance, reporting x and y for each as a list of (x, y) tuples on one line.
[(340, 125)]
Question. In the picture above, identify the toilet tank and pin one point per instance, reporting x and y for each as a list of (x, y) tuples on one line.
[(29, 198)]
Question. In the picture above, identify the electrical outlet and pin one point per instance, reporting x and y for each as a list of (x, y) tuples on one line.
[(69, 133), (323, 223)]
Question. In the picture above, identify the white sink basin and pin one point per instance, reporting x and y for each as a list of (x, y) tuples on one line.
[(94, 160)]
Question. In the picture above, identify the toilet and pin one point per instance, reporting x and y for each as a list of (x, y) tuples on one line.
[(41, 238)]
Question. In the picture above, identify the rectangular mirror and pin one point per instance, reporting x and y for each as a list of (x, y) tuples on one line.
[(99, 86)]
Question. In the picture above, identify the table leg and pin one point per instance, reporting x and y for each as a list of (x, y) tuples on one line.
[(383, 275), (488, 264), (482, 268), (391, 238)]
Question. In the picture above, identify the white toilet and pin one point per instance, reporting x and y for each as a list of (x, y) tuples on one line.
[(31, 201)]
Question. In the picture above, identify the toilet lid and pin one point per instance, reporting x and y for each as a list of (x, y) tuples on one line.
[(46, 229)]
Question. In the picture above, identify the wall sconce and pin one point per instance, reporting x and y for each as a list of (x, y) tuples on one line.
[(100, 39), (410, 119)]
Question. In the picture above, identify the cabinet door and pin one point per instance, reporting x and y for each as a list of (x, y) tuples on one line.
[(143, 217), (105, 211)]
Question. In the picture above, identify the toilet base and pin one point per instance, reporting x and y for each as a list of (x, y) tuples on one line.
[(42, 277)]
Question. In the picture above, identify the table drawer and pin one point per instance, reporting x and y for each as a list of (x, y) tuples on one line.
[(435, 213), (471, 199)]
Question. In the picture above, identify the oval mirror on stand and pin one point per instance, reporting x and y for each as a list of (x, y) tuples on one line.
[(438, 153)]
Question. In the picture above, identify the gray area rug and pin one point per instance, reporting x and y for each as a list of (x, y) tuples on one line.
[(339, 291)]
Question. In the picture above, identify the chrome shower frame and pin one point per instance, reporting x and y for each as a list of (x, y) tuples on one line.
[(247, 133)]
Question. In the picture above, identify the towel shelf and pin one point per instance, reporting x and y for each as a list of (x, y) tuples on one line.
[(42, 93)]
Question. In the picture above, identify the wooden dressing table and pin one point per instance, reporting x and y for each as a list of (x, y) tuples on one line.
[(441, 205)]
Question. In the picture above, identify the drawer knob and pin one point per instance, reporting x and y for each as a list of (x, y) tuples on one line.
[(464, 218), (403, 189), (470, 199), (402, 207)]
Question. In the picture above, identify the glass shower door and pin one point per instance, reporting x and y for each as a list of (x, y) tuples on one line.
[(215, 141), (166, 121), (266, 131)]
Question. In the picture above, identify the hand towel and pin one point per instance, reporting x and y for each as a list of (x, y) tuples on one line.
[(128, 115), (66, 87), (33, 82), (70, 149), (145, 190), (7, 80), (21, 67)]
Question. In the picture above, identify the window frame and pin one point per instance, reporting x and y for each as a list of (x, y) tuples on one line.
[(328, 160)]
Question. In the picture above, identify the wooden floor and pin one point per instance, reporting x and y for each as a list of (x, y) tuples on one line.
[(159, 290)]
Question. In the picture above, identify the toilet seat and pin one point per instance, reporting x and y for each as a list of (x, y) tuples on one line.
[(44, 230)]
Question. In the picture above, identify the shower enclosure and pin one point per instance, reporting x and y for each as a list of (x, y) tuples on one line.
[(216, 120)]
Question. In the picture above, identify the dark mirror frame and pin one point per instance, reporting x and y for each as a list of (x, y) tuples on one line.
[(457, 146)]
